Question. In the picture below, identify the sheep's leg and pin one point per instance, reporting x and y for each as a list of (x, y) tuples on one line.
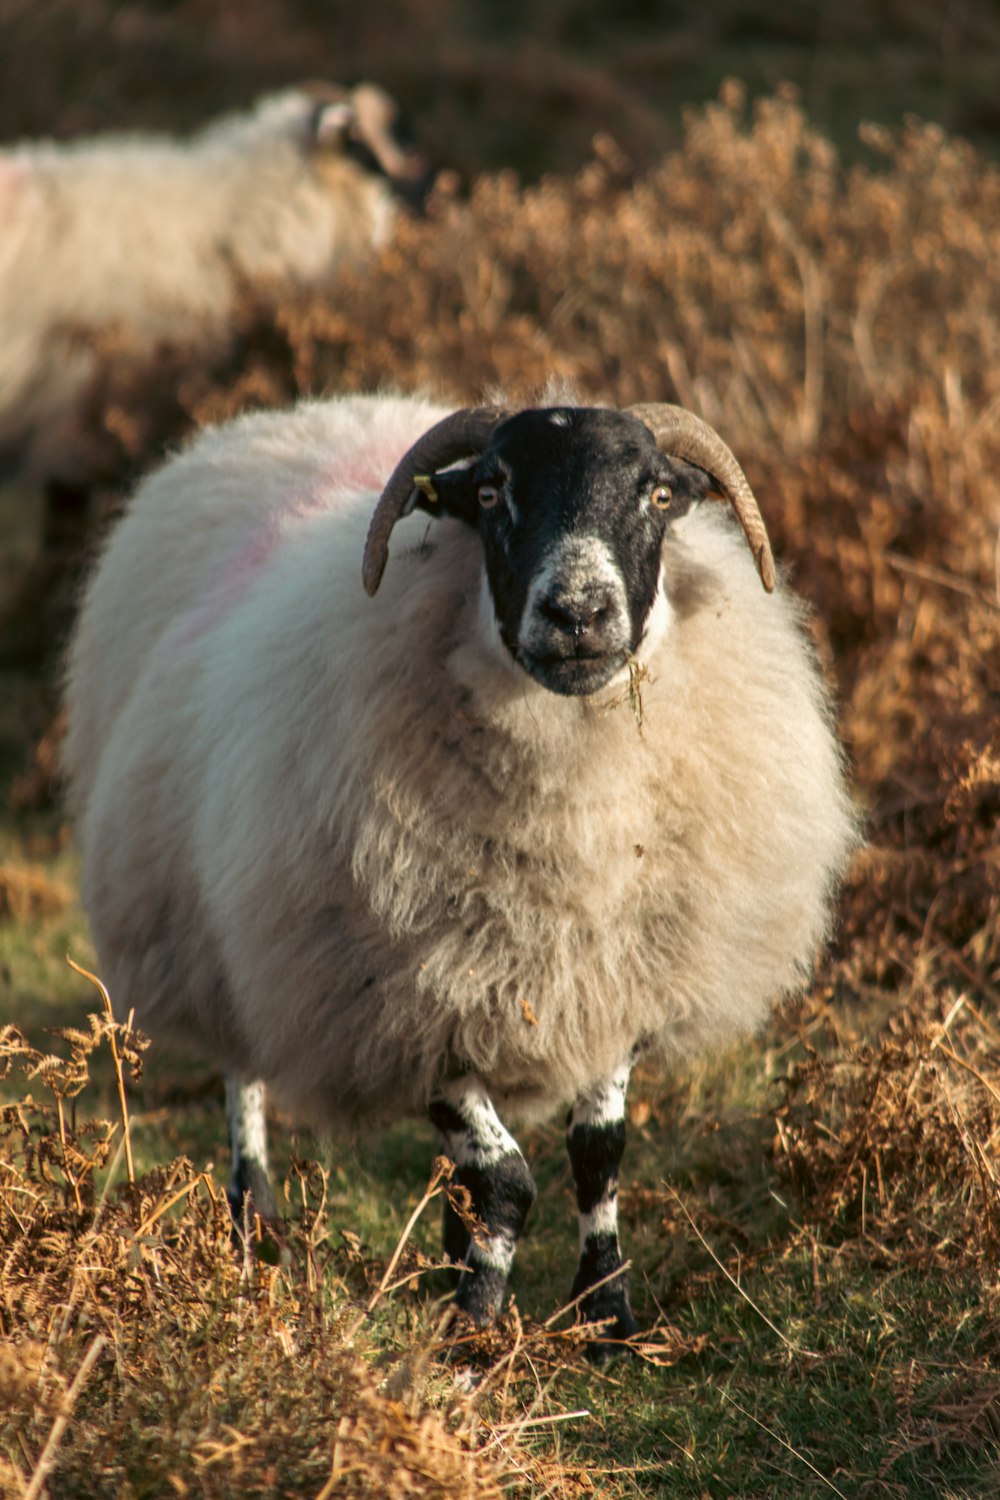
[(250, 1177), (595, 1139), (491, 1166)]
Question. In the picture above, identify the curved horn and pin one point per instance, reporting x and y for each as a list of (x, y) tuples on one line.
[(681, 433), (460, 435), (376, 116)]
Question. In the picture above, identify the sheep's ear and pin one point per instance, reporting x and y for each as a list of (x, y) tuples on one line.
[(451, 493), (692, 483)]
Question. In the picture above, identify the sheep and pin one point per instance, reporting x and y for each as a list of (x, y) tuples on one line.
[(416, 853), (153, 238)]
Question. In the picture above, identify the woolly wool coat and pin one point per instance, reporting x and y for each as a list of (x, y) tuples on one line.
[(343, 844)]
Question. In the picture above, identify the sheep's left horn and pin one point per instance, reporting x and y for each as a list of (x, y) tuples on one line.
[(460, 435), (376, 116), (681, 433)]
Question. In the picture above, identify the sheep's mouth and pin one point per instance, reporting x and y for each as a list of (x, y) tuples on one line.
[(572, 676)]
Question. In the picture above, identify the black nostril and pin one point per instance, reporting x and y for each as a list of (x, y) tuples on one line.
[(575, 617)]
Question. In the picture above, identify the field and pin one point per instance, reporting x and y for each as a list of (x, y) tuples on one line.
[(814, 1218)]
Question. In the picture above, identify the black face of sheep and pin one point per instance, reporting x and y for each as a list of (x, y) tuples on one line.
[(571, 506)]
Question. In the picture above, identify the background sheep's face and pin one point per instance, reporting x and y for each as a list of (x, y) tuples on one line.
[(366, 126), (572, 505)]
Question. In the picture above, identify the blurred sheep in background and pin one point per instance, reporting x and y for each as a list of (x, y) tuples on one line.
[(147, 240)]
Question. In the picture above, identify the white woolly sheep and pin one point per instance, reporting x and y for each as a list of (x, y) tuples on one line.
[(415, 853), (153, 237)]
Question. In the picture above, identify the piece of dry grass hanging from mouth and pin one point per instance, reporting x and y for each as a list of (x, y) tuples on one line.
[(637, 673)]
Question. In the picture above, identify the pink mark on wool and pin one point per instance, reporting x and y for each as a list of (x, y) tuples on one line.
[(249, 560), (14, 173), (245, 564)]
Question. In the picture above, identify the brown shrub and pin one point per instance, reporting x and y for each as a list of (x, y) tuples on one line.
[(166, 1358), (890, 1143), (183, 1364)]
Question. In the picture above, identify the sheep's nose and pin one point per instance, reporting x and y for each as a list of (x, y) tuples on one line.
[(575, 617)]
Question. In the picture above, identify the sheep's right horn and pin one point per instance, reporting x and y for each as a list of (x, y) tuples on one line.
[(376, 116), (680, 432), (461, 435)]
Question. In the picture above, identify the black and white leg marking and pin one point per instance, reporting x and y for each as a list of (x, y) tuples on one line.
[(595, 1139), (245, 1111), (491, 1166)]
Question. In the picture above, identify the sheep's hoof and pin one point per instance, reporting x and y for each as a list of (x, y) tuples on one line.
[(612, 1342), (480, 1293), (601, 1352), (256, 1221), (261, 1236)]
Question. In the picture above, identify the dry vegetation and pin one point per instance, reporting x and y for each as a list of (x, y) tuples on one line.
[(188, 1363), (118, 1309), (841, 326)]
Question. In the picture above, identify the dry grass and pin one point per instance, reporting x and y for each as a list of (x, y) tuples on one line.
[(144, 1353), (146, 1274), (29, 891)]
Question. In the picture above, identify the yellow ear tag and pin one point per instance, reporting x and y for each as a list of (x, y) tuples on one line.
[(423, 483)]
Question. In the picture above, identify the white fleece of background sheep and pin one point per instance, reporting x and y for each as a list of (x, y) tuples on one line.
[(154, 237)]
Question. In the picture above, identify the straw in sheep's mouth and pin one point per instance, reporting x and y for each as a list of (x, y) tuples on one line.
[(572, 676)]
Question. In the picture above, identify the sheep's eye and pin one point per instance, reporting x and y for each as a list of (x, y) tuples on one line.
[(660, 496), (489, 495)]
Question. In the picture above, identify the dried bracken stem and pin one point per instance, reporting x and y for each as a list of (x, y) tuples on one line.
[(787, 1446), (47, 1456), (119, 1074), (811, 402), (165, 1205), (732, 1279), (940, 576), (69, 1173), (442, 1174), (499, 1433), (569, 1307)]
